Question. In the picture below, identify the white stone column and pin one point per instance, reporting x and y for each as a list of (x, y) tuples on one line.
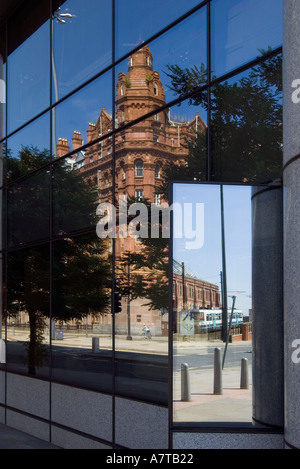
[(291, 180)]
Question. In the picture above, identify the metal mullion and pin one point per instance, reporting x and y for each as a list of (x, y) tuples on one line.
[(208, 39), (113, 354), (50, 222)]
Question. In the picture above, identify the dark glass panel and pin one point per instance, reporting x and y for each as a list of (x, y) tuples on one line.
[(28, 311), (241, 29), (82, 43), (28, 209), (75, 196), (81, 319), (246, 125), (2, 277)]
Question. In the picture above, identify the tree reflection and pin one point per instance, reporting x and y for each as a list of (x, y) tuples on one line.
[(245, 132), (28, 290), (245, 125), (148, 265), (72, 274)]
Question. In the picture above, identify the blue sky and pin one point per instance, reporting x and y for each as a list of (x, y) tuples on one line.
[(82, 47), (206, 262)]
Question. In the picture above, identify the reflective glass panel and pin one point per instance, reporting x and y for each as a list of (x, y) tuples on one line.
[(82, 41), (166, 69), (148, 155), (28, 82), (28, 209), (246, 125), (75, 196), (241, 29), (28, 149), (28, 311), (137, 21), (212, 308), (81, 320), (84, 116)]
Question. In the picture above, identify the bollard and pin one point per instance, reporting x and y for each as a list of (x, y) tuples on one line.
[(95, 344), (217, 372), (185, 383), (244, 374)]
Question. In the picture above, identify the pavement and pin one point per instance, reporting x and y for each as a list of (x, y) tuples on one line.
[(233, 404)]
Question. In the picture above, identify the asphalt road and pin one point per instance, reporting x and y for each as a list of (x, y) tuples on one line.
[(204, 359)]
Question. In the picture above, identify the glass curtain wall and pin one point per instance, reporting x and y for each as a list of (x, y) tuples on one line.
[(106, 104)]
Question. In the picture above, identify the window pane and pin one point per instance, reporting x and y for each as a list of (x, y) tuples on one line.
[(147, 80), (82, 321), (246, 125), (28, 149), (82, 40), (241, 29), (28, 84), (212, 303), (84, 116), (28, 209), (136, 21), (28, 311), (75, 197)]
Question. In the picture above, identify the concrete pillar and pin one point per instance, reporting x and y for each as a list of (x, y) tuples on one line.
[(244, 383), (95, 344), (185, 383), (267, 305), (291, 180), (218, 382)]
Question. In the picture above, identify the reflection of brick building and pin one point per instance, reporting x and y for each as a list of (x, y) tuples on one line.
[(189, 292), (140, 151)]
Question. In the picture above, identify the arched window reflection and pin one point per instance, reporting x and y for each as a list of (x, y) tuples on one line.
[(139, 168)]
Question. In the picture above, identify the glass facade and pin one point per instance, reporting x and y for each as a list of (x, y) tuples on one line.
[(111, 109)]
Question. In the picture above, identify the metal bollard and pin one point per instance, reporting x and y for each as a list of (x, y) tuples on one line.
[(218, 387), (244, 374), (185, 383), (95, 344)]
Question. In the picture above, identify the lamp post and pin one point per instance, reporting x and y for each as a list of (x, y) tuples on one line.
[(224, 274), (59, 17), (129, 337)]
